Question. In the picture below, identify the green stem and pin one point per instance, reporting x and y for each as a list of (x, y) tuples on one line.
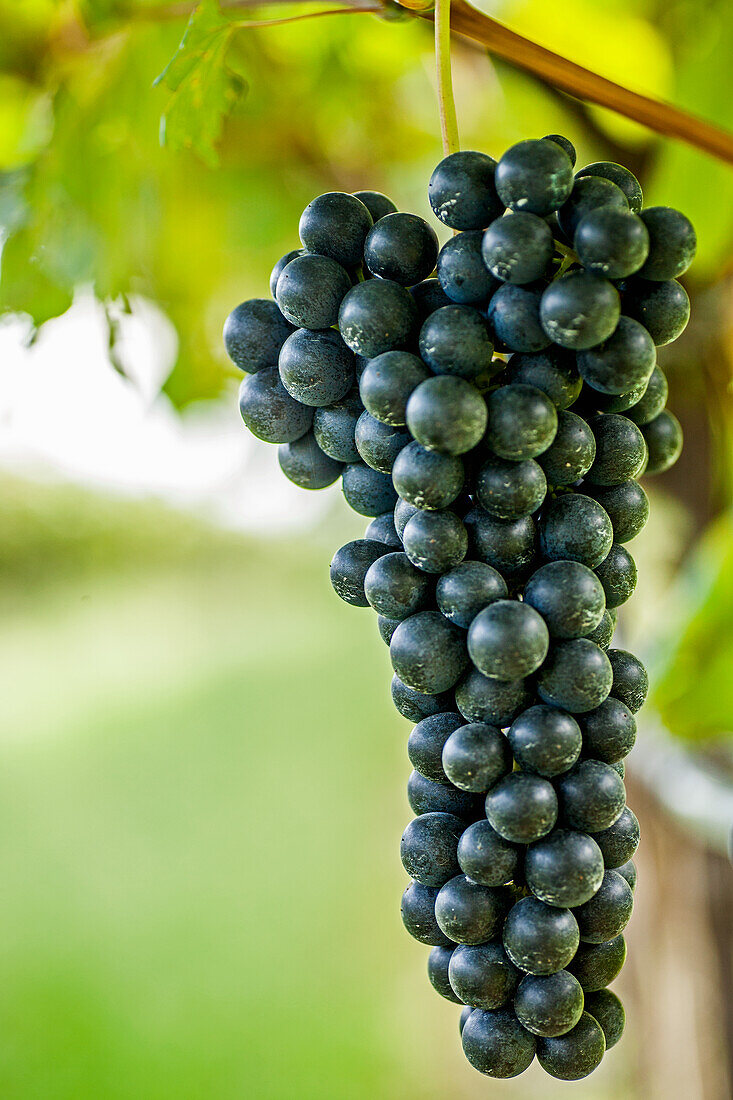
[(446, 103)]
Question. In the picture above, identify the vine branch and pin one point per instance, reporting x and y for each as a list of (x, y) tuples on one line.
[(555, 70), (656, 115)]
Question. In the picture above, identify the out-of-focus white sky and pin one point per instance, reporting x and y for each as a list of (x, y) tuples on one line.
[(66, 413)]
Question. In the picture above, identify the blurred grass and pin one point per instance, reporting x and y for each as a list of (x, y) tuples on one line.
[(201, 797)]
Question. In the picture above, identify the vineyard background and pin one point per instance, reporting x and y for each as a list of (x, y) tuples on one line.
[(201, 772)]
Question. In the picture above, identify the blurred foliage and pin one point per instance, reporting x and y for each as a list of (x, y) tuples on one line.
[(199, 826), (89, 196), (693, 686)]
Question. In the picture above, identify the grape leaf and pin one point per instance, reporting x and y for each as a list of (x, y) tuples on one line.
[(693, 688), (204, 88)]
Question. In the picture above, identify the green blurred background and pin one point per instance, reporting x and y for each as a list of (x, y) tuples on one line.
[(201, 772)]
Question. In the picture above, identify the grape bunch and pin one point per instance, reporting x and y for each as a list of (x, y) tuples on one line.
[(490, 406)]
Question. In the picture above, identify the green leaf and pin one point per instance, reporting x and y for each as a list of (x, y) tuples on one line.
[(694, 687), (205, 89), (25, 284)]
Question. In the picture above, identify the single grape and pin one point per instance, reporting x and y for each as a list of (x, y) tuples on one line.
[(429, 296), (429, 846), (592, 796), (428, 653), (336, 225), (619, 841), (280, 265), (417, 705), (620, 176), (597, 964), (379, 444), (672, 243), (548, 1005), (510, 489), (376, 203), (652, 401), (576, 676), (514, 316), (603, 633), (382, 529), (663, 437), (627, 870), (462, 272), (621, 364), (462, 191), (509, 546), (496, 1044), (522, 422), (428, 797), (468, 912), (572, 451), (662, 308), (575, 528), (425, 744), (269, 411), (540, 938), (574, 1055), (438, 963), (386, 628), (534, 176), (254, 332), (310, 289), (455, 340), (605, 1007), (630, 680), (304, 463), (564, 869), (612, 242), (483, 975), (508, 640), (518, 249), (587, 195), (486, 857), (427, 479), (553, 371), (334, 427), (447, 414), (569, 597), (475, 756), (617, 574), (609, 731), (367, 491), (580, 310), (377, 316), (435, 541), (350, 566), (403, 511), (627, 506), (545, 740), (497, 702), (620, 449), (401, 247), (387, 382), (564, 144), (467, 589), (418, 915), (316, 367), (607, 913), (395, 588), (522, 807)]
